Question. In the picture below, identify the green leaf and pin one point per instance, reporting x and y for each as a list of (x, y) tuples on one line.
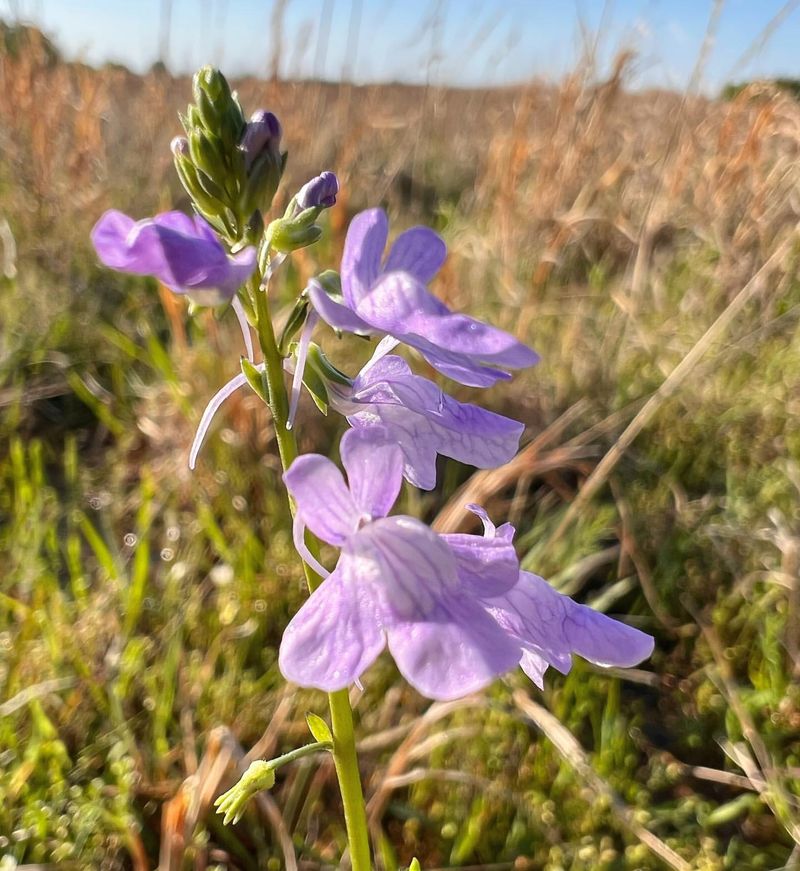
[(319, 729)]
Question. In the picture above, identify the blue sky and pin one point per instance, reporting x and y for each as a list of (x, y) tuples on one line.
[(467, 42)]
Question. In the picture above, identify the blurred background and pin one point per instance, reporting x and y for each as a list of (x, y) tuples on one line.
[(619, 186)]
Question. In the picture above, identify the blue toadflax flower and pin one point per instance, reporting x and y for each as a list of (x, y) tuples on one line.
[(454, 610), (392, 299), (181, 252), (396, 583), (424, 421)]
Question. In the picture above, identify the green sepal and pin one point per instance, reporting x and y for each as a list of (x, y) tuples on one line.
[(207, 111), (415, 866), (232, 804), (289, 234), (210, 186), (331, 283), (294, 324), (256, 379), (321, 364), (187, 173), (207, 153), (316, 389), (319, 729)]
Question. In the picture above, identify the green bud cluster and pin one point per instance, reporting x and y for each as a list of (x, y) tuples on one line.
[(229, 167)]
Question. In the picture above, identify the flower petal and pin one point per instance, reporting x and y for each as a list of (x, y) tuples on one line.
[(400, 305), (553, 626), (457, 649), (425, 421), (333, 638), (534, 666), (406, 564), (363, 249), (336, 315), (109, 237), (460, 368), (374, 467), (487, 567), (419, 251), (323, 500), (181, 252)]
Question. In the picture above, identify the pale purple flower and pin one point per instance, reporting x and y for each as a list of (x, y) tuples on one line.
[(183, 253), (455, 610), (550, 626), (424, 421), (319, 191), (396, 583), (262, 133), (391, 298)]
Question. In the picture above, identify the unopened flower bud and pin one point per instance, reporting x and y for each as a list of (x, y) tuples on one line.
[(318, 192), (263, 133), (180, 146)]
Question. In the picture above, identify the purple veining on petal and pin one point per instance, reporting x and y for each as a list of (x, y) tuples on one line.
[(455, 610), (424, 420), (395, 580), (553, 626), (374, 470)]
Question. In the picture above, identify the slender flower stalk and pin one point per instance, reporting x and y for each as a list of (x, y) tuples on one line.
[(344, 745)]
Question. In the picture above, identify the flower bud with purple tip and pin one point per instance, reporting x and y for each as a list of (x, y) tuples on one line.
[(262, 134), (319, 192), (180, 146)]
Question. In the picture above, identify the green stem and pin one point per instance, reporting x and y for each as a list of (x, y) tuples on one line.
[(344, 745)]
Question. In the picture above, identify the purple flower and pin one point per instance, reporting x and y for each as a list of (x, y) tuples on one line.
[(549, 626), (455, 610), (319, 191), (392, 298), (262, 133), (181, 252), (396, 583), (424, 421)]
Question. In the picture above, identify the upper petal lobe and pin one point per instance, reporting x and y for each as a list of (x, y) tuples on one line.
[(374, 467), (419, 251), (363, 250), (323, 499)]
